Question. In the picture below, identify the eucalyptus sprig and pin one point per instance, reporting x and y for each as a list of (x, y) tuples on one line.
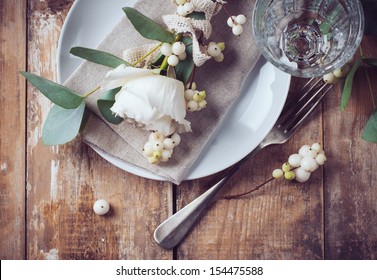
[(370, 130), (67, 117)]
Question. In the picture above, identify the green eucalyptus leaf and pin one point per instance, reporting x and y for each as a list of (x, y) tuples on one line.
[(97, 56), (185, 67), (370, 61), (105, 102), (62, 125), (370, 130), (148, 28), (348, 85), (58, 94)]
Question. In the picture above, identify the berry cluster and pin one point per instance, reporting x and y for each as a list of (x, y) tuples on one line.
[(332, 77), (216, 50), (195, 99), (160, 148), (184, 7), (302, 164), (236, 22), (174, 52)]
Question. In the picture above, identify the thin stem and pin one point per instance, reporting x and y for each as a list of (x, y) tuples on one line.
[(91, 92), (248, 192), (147, 54)]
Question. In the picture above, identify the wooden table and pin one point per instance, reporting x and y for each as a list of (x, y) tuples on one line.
[(47, 193)]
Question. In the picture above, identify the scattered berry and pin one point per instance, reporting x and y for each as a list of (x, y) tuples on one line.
[(101, 207), (236, 22), (342, 71)]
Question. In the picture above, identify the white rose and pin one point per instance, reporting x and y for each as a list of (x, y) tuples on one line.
[(150, 99)]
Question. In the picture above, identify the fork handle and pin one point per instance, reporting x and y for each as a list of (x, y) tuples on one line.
[(173, 230)]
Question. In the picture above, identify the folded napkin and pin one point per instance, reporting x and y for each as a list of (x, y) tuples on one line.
[(222, 82)]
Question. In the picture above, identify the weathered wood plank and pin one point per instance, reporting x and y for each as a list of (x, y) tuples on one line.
[(283, 220), (64, 182), (351, 177), (12, 129)]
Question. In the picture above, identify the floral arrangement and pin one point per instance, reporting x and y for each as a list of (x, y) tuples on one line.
[(151, 86)]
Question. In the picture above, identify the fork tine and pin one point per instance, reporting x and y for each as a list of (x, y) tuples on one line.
[(299, 109), (298, 97)]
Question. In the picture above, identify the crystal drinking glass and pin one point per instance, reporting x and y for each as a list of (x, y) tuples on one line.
[(308, 38)]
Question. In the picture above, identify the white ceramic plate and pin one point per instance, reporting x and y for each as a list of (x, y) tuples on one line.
[(252, 117)]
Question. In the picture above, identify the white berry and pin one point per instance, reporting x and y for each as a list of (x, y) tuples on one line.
[(148, 149), (231, 21), (168, 143), (189, 8), (166, 49), (176, 138), (173, 60), (320, 159), (295, 160), (301, 175), (101, 207), (213, 50), (304, 150), (241, 19), (158, 145), (189, 93), (156, 136), (237, 29), (329, 78), (309, 164), (182, 56), (178, 48), (277, 173), (316, 147), (341, 72), (166, 155), (192, 105), (181, 11)]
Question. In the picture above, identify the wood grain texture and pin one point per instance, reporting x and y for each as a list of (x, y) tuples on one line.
[(351, 177), (63, 182), (47, 193), (283, 220), (12, 129)]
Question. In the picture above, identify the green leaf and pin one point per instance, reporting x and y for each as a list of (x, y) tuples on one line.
[(348, 85), (147, 27), (58, 94), (105, 103), (370, 130), (97, 56), (185, 67), (370, 61), (62, 125)]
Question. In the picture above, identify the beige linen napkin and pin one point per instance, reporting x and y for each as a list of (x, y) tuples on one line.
[(222, 82)]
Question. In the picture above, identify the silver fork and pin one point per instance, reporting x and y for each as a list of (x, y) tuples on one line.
[(172, 231)]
